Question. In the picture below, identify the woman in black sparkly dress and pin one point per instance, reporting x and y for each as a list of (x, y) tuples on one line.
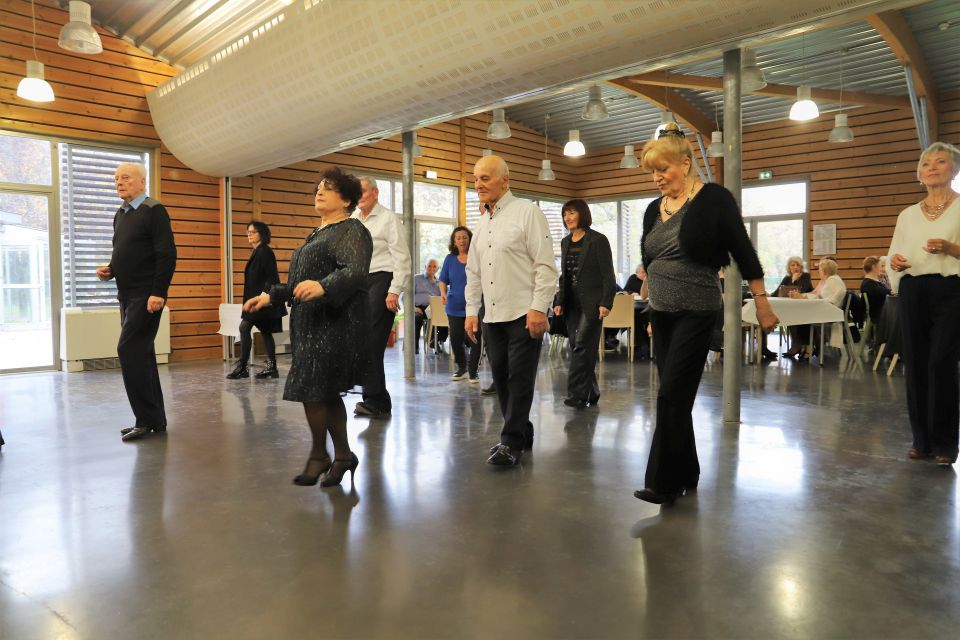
[(326, 286)]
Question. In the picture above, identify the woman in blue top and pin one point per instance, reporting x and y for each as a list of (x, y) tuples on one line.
[(453, 282)]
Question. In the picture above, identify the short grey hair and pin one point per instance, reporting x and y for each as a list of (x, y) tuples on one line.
[(941, 147), (793, 259), (370, 181), (139, 166)]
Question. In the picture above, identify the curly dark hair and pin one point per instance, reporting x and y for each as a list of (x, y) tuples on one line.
[(453, 247), (346, 184), (262, 229), (580, 206)]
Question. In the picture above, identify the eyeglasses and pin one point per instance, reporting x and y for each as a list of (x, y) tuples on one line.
[(670, 132)]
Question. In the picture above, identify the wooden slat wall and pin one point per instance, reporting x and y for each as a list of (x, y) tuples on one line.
[(861, 186), (283, 198), (102, 98)]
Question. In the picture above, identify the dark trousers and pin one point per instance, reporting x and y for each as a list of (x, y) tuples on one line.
[(929, 312), (459, 343), (513, 358), (421, 319), (375, 394), (583, 330), (681, 341), (138, 361)]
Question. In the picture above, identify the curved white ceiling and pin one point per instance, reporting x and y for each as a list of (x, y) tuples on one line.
[(334, 73)]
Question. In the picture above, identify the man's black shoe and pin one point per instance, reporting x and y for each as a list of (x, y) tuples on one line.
[(127, 430), (136, 433), (363, 409), (503, 456), (489, 391)]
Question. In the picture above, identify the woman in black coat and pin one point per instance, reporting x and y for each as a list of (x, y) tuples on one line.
[(258, 276), (587, 287), (688, 234)]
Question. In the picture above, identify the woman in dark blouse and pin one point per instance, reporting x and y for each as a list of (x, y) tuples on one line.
[(796, 280), (328, 323), (587, 287), (688, 234), (259, 275), (873, 288)]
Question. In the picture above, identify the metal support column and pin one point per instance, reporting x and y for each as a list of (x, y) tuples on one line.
[(919, 108), (227, 240), (732, 147), (409, 329)]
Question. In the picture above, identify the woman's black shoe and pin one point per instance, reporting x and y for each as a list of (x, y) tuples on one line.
[(334, 475), (649, 495), (576, 403), (768, 355), (312, 472), (270, 371), (240, 371)]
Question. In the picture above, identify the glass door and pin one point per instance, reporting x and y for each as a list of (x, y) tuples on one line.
[(776, 242)]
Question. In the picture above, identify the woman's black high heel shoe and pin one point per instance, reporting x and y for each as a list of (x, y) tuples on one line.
[(315, 468), (338, 469)]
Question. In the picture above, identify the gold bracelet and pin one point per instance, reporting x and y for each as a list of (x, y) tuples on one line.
[(759, 295)]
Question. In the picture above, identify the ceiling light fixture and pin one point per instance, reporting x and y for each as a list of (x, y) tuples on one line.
[(33, 87), (751, 75), (595, 109), (78, 35), (498, 129), (715, 150), (804, 108), (487, 152), (841, 131), (629, 159), (546, 172), (666, 117), (574, 148)]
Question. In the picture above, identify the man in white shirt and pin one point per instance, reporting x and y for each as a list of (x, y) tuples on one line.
[(511, 268), (389, 271)]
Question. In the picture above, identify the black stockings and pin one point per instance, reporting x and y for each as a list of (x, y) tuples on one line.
[(328, 416), (246, 342)]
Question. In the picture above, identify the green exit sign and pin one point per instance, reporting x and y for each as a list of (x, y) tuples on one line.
[(766, 175)]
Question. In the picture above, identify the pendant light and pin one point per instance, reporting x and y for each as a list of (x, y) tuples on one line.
[(804, 108), (751, 76), (595, 109), (546, 172), (715, 150), (841, 132), (629, 159), (574, 148), (487, 152), (666, 117), (33, 87), (78, 35), (498, 129)]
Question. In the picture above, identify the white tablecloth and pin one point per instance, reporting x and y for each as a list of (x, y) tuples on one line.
[(791, 312), (230, 323)]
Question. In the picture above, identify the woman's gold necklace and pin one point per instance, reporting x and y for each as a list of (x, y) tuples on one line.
[(932, 212), (675, 211)]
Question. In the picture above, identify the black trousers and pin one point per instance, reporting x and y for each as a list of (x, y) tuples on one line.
[(929, 312), (513, 358), (138, 361), (583, 330), (375, 394), (681, 341), (459, 343), (419, 320)]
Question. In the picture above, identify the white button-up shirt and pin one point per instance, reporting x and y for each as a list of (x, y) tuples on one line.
[(911, 235), (511, 262), (390, 251)]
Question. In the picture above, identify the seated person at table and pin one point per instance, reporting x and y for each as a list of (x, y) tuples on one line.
[(425, 285), (830, 288), (635, 281), (873, 288), (800, 279)]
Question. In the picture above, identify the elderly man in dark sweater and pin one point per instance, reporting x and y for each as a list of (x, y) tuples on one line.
[(143, 261)]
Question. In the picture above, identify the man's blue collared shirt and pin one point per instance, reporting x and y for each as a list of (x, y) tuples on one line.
[(135, 203)]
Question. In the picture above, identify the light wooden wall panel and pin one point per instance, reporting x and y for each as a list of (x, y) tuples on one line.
[(102, 99)]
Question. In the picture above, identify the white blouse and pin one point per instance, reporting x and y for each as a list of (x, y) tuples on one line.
[(911, 235), (833, 291)]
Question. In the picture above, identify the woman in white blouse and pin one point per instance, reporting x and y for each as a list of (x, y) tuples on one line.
[(830, 287), (925, 259)]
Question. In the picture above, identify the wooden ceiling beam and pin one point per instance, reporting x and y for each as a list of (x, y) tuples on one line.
[(895, 30), (707, 83), (664, 98)]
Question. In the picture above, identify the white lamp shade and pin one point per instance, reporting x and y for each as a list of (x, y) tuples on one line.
[(546, 173), (715, 150), (498, 129), (841, 132), (629, 159), (804, 108), (78, 35), (751, 77), (487, 152), (595, 109), (574, 148), (33, 87)]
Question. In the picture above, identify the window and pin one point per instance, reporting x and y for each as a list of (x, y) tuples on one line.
[(775, 199), (605, 221), (88, 202), (775, 217), (631, 222), (473, 210), (25, 161), (429, 200)]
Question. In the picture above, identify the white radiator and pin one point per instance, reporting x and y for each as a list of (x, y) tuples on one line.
[(88, 338)]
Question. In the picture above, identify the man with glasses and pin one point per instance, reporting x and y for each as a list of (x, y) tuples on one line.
[(143, 261), (389, 271)]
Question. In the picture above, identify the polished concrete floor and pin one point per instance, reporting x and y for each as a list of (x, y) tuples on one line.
[(809, 523)]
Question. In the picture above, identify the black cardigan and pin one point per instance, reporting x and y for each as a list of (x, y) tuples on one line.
[(596, 282), (711, 231), (259, 274)]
